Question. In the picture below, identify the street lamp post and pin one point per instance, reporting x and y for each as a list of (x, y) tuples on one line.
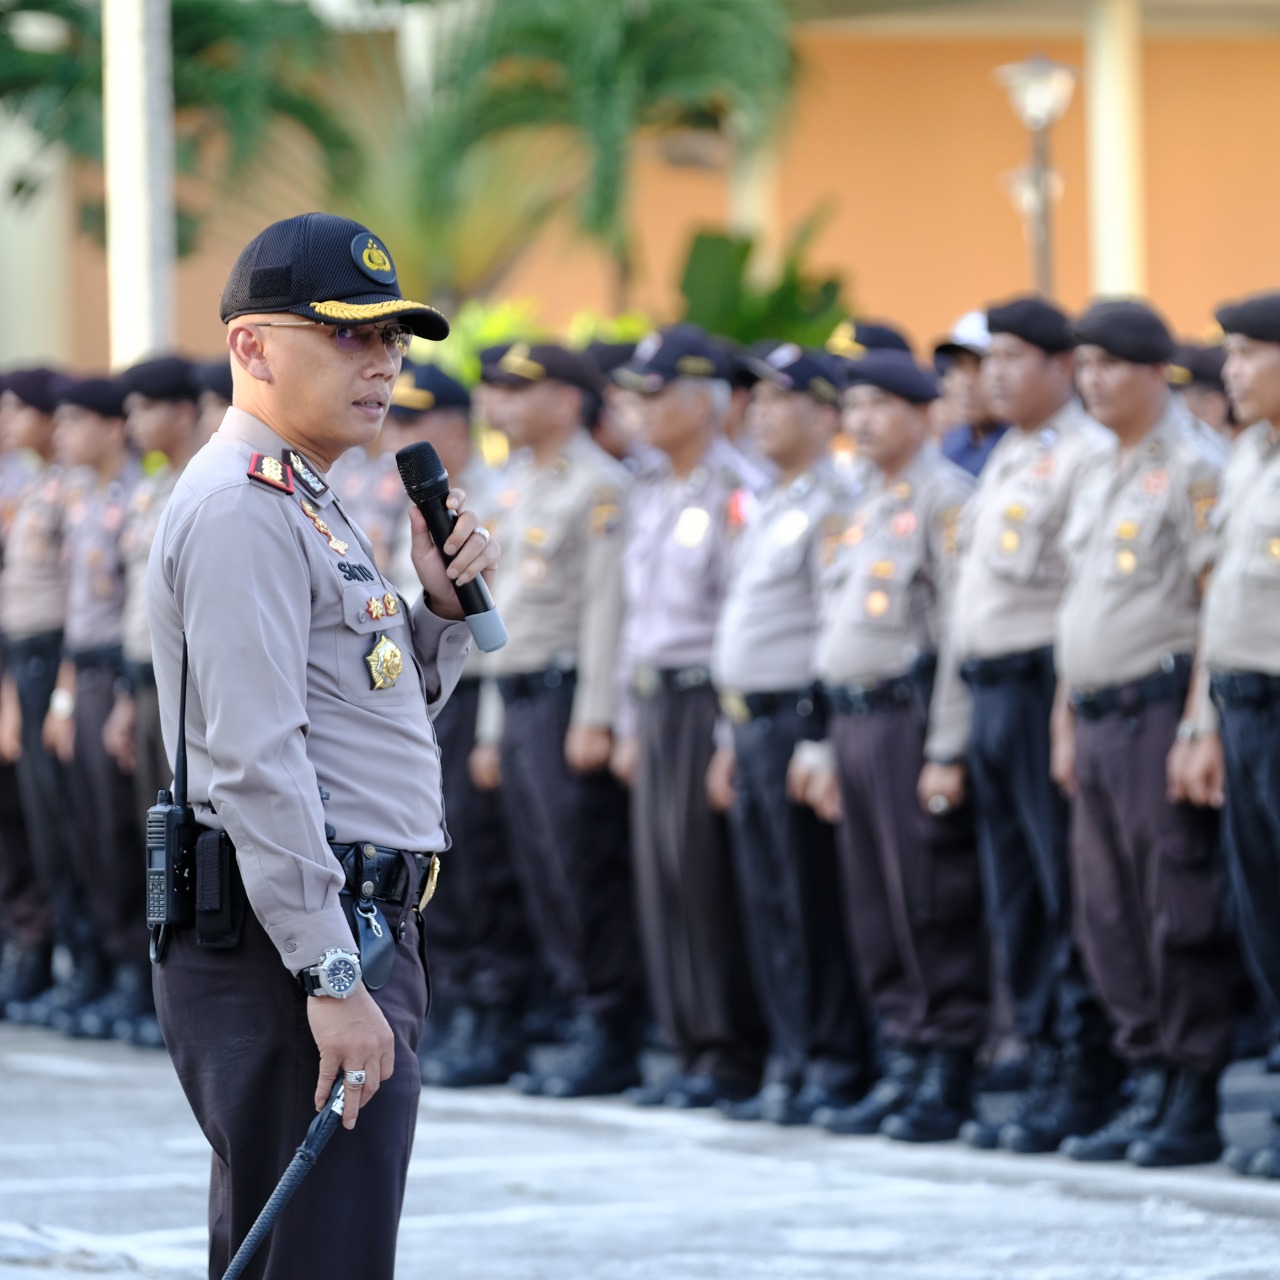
[(1040, 91)]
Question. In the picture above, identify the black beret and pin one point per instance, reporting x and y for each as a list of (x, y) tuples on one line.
[(103, 396), (326, 268), (609, 356), (1127, 329), (523, 365), (1256, 317), (1034, 320), (37, 388), (742, 368), (215, 376), (802, 369), (1201, 366), (164, 378), (680, 351), (852, 339), (895, 372), (424, 387)]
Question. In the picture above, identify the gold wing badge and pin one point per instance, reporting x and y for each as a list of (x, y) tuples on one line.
[(386, 662)]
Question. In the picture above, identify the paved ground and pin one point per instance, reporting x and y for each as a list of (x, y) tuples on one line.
[(102, 1172)]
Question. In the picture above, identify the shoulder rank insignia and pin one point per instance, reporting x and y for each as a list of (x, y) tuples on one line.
[(385, 663), (271, 471), (335, 544), (304, 475)]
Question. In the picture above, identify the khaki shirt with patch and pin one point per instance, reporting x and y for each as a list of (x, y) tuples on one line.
[(1138, 540), (887, 594), (312, 685), (1013, 569), (141, 519), (33, 584), (1240, 629)]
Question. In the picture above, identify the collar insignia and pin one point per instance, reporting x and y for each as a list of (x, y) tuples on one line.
[(303, 473)]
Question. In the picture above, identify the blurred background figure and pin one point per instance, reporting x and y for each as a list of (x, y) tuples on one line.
[(974, 429), (1195, 372)]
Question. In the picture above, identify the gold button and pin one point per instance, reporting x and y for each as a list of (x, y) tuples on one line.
[(877, 604), (1010, 541), (1126, 561)]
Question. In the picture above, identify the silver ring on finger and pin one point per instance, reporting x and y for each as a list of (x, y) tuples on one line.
[(939, 804), (355, 1078), (483, 532)]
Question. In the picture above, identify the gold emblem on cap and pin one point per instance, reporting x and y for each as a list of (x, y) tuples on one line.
[(1010, 541), (877, 604), (375, 257), (517, 361), (843, 343), (1126, 561), (385, 663), (691, 527)]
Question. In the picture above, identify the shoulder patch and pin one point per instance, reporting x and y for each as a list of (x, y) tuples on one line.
[(269, 470)]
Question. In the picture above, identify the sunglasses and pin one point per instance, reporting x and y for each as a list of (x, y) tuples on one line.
[(353, 339)]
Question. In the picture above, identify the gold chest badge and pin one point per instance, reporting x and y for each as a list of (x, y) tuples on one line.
[(386, 662)]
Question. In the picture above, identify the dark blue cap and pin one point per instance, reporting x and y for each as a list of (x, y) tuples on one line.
[(215, 376), (103, 396), (678, 351), (524, 365), (164, 378), (1194, 364), (609, 356), (852, 339), (1035, 320), (895, 372), (1256, 317), (803, 370), (325, 268), (422, 388), (37, 388)]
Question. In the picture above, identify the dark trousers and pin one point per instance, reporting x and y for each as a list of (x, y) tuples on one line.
[(690, 917), (1022, 821), (108, 845), (570, 847), (152, 770), (1251, 835), (913, 890), (235, 1023), (1149, 899), (481, 952), (25, 914), (786, 863), (45, 792)]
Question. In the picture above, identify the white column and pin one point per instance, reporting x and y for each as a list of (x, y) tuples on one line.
[(137, 73), (1113, 102)]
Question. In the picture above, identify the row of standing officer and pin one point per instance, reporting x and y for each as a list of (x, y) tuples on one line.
[(79, 716)]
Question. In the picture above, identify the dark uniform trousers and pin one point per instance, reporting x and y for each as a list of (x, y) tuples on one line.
[(45, 792), (1149, 896), (25, 914), (235, 1024), (690, 914), (787, 874), (481, 952), (1249, 709), (1022, 822), (571, 853), (151, 771), (107, 838), (912, 887)]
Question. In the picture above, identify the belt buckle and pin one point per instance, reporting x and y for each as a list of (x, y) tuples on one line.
[(734, 705), (646, 681)]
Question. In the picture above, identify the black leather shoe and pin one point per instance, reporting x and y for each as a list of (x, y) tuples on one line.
[(1081, 1100), (481, 1047), (889, 1095), (941, 1104), (1266, 1162), (601, 1061), (653, 1095), (128, 998), (801, 1106), (1111, 1142), (57, 1005), (24, 973), (1188, 1131), (1240, 1159), (1012, 1075), (696, 1092), (1273, 1059), (1042, 1071)]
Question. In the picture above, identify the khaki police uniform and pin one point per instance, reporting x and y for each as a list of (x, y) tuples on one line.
[(762, 666), (1012, 574), (1149, 918), (308, 722), (679, 533), (911, 879)]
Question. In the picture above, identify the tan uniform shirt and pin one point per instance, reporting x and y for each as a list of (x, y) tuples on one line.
[(1241, 624), (1012, 568), (559, 588), (141, 519), (769, 622), (888, 592), (1138, 540), (94, 519), (308, 675), (33, 584)]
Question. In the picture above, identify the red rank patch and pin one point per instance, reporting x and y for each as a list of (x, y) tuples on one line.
[(1156, 481), (267, 469)]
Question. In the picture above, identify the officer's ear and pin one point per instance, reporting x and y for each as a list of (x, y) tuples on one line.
[(248, 353)]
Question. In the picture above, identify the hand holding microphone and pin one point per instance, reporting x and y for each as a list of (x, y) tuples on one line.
[(427, 484)]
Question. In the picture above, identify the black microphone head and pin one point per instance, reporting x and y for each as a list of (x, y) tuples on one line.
[(421, 470)]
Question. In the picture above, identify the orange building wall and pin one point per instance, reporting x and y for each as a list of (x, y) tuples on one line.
[(911, 138)]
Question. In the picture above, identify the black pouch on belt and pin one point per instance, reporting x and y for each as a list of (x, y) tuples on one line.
[(374, 938), (220, 896)]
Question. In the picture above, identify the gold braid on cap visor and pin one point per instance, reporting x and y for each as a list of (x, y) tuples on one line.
[(365, 311)]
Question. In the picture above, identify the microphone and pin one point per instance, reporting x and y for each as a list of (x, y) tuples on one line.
[(427, 484)]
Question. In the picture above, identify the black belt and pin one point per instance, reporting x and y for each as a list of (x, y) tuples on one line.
[(109, 656), (139, 675), (1009, 666), (41, 644), (744, 707), (1165, 686), (646, 681), (1244, 688), (373, 871), (529, 684), (868, 699)]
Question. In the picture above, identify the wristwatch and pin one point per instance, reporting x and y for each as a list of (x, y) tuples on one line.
[(337, 975)]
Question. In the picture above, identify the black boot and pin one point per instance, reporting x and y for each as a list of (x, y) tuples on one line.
[(602, 1060), (483, 1046), (57, 1005), (942, 1103), (1188, 1132), (1042, 1075), (1083, 1097), (24, 973), (1134, 1121), (128, 999), (889, 1095)]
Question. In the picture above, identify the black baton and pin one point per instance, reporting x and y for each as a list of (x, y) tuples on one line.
[(319, 1132)]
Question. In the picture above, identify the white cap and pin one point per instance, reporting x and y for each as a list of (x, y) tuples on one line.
[(970, 333)]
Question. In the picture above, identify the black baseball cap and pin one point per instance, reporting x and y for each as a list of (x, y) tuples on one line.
[(1127, 329), (852, 339), (895, 372), (422, 388), (523, 365), (678, 351), (326, 268), (802, 369), (163, 378), (1256, 317)]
